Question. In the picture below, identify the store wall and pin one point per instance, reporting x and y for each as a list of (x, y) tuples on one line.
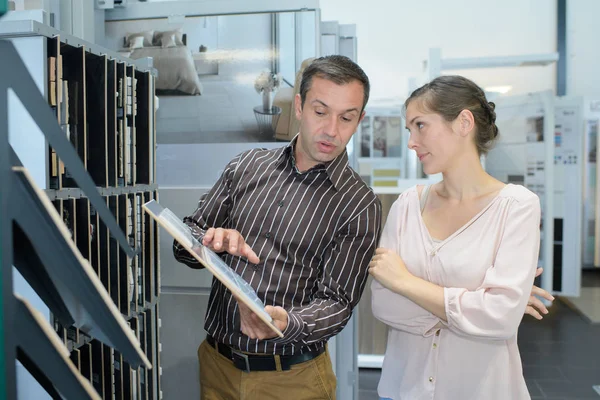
[(583, 57), (394, 38)]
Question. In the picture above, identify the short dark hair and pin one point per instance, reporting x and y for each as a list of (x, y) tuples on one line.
[(451, 94), (337, 69)]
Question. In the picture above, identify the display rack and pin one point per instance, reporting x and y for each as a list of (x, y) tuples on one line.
[(82, 242)]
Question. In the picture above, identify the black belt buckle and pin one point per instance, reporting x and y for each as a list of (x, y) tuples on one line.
[(238, 357)]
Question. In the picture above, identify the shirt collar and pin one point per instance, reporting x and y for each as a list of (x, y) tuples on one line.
[(335, 169)]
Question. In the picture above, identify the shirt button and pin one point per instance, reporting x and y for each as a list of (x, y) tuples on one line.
[(437, 333), (280, 204), (435, 345), (268, 235), (431, 379)]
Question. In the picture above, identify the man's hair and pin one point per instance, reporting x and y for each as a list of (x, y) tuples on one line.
[(337, 69)]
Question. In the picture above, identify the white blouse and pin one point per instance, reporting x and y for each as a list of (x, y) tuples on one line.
[(487, 268)]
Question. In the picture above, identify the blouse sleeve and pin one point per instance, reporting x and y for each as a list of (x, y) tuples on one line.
[(495, 309)]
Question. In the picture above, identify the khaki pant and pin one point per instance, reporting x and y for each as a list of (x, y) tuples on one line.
[(221, 380)]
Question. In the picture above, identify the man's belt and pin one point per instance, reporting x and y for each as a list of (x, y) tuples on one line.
[(259, 362)]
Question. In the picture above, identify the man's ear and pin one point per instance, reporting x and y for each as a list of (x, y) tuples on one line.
[(298, 106), (362, 116)]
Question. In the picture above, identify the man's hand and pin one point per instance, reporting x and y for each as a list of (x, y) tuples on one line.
[(534, 302), (231, 241), (255, 328)]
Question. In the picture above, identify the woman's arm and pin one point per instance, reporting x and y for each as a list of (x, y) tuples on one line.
[(401, 313), (495, 309), (390, 307)]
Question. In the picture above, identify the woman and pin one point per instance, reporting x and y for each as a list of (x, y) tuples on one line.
[(457, 259)]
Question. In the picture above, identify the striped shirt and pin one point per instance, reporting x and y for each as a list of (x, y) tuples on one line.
[(314, 232)]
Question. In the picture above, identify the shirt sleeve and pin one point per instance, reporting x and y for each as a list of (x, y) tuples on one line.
[(212, 211), (495, 309), (342, 282), (392, 308)]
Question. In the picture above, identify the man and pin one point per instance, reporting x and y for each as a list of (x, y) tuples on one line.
[(301, 227)]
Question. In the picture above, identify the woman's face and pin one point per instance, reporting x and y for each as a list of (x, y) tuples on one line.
[(437, 142)]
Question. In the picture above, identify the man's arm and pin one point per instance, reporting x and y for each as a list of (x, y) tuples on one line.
[(339, 288), (341, 284), (212, 211)]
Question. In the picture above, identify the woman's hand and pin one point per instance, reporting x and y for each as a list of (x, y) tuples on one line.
[(534, 305), (389, 269)]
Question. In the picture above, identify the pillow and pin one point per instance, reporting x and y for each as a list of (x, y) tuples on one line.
[(168, 41), (136, 43), (165, 36), (147, 37)]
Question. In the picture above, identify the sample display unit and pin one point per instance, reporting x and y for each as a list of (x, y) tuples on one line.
[(97, 267)]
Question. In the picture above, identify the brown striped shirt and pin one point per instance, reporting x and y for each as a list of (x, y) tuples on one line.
[(314, 232)]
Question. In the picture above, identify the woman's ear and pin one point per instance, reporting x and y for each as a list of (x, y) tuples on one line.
[(466, 122)]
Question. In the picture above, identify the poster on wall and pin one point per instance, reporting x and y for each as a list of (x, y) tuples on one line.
[(381, 152), (535, 129), (380, 137), (219, 82), (365, 137), (387, 137)]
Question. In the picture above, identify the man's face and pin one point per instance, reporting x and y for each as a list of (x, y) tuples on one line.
[(329, 118)]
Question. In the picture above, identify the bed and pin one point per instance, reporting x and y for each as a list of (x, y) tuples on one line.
[(172, 59)]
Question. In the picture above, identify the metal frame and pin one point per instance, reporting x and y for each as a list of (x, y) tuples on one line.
[(47, 357), (561, 45), (597, 223), (590, 112), (344, 354), (143, 10), (7, 340)]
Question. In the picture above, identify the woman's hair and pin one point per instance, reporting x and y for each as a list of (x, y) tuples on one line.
[(449, 95)]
